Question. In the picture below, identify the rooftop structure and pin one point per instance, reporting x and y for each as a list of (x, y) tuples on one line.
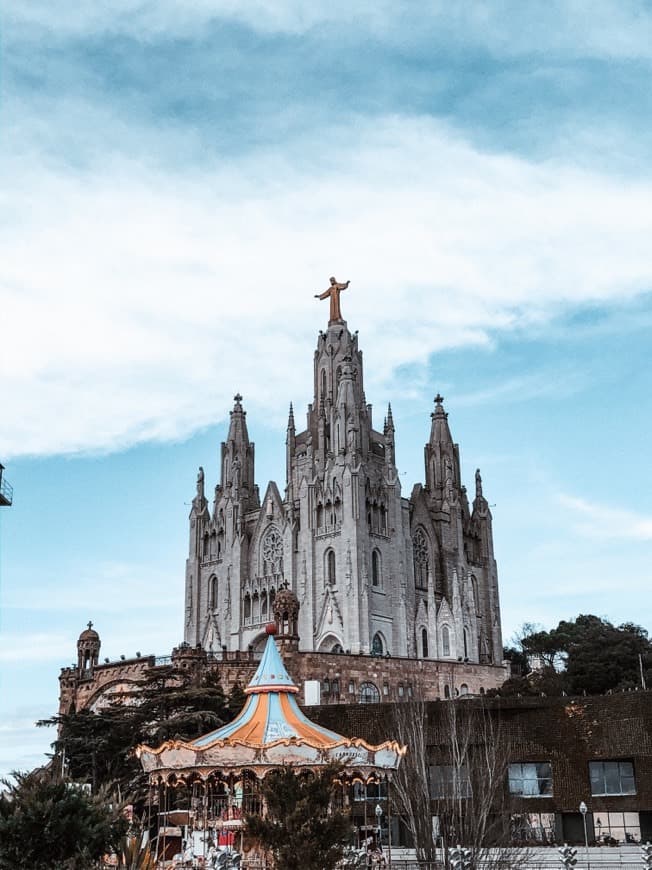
[(6, 490)]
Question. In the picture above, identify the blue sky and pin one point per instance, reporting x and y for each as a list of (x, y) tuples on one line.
[(179, 179)]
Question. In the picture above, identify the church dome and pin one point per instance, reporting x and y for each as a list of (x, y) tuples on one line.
[(89, 633), (286, 601)]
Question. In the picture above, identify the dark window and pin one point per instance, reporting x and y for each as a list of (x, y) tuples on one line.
[(369, 694), (531, 779), (375, 568), (424, 642), (612, 777), (377, 648), (449, 781), (421, 562), (330, 567), (445, 641)]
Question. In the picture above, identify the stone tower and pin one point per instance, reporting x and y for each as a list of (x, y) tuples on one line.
[(372, 572)]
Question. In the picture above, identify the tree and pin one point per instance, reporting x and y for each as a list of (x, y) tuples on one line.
[(52, 825), (302, 829), (170, 702), (591, 655), (451, 786)]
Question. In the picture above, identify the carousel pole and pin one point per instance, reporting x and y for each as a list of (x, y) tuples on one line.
[(165, 825), (389, 823), (205, 807)]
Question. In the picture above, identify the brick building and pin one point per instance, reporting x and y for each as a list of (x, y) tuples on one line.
[(562, 751)]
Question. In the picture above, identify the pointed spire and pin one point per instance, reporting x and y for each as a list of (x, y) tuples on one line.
[(478, 484), (390, 418), (291, 419), (238, 451)]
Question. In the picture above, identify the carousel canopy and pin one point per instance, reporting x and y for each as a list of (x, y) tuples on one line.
[(270, 731)]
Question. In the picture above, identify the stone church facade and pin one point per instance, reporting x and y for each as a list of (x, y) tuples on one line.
[(374, 572)]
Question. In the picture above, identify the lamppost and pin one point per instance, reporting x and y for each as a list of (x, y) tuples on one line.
[(584, 810), (379, 814)]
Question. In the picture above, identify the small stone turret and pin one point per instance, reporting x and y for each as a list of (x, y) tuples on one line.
[(88, 651), (286, 616)]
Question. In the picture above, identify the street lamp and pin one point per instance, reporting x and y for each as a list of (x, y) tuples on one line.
[(379, 814), (584, 810)]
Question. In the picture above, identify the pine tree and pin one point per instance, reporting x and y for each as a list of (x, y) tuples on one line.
[(302, 830)]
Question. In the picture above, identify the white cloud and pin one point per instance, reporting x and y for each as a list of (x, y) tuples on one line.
[(604, 521), (612, 28), (136, 301)]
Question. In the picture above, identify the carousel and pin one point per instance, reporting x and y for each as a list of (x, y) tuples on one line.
[(205, 788)]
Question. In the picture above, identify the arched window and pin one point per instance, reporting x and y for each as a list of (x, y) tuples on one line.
[(383, 519), (212, 593), (207, 544), (272, 552), (255, 610), (377, 645), (445, 641), (466, 643), (331, 571), (247, 606), (447, 692), (421, 560), (263, 605), (320, 516), (424, 642), (323, 384), (464, 689), (369, 694), (376, 579), (474, 587)]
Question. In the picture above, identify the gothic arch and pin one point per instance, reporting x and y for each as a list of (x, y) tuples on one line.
[(330, 567), (330, 643), (422, 557), (423, 636), (376, 569), (378, 644), (271, 552), (213, 588), (447, 650)]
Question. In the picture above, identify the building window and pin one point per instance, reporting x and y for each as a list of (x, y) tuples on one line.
[(400, 690), (466, 643), (531, 779), (247, 607), (445, 641), (263, 606), (533, 828), (612, 777), (421, 562), (447, 692), (351, 687), (464, 689), (622, 827), (272, 551), (377, 647), (375, 569), (385, 688), (369, 694), (449, 781), (474, 588), (424, 642), (212, 593), (331, 573)]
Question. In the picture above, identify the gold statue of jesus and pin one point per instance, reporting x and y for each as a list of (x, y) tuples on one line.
[(334, 292)]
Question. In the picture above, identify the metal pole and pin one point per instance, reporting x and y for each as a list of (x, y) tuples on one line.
[(389, 824), (584, 809)]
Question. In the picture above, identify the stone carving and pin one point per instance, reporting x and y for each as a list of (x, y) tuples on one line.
[(334, 293)]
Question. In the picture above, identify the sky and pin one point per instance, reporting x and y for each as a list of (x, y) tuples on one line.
[(180, 177)]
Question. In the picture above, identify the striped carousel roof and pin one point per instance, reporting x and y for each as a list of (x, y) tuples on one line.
[(271, 712), (270, 730)]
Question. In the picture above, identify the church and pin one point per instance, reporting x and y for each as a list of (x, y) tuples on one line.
[(375, 595), (374, 571)]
